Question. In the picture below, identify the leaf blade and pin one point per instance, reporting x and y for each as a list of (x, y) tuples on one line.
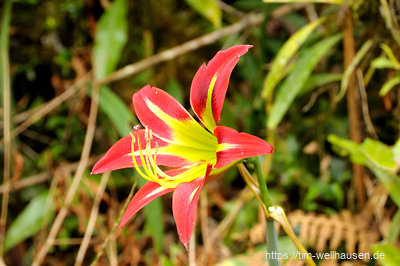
[(297, 78), (289, 48)]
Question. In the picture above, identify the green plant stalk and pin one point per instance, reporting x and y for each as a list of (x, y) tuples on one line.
[(262, 182), (271, 234), (6, 99), (277, 213)]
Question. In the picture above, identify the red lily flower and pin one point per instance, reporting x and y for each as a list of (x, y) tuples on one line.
[(173, 138)]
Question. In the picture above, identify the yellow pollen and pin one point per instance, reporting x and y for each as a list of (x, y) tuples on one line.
[(151, 171)]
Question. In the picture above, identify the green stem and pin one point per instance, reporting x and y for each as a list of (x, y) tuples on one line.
[(262, 182), (272, 243), (271, 234)]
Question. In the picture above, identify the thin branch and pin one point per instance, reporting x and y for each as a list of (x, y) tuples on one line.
[(129, 70), (49, 106), (231, 10), (353, 105), (76, 180), (229, 219), (389, 20), (105, 242), (364, 105), (92, 220), (204, 226), (40, 178), (74, 241)]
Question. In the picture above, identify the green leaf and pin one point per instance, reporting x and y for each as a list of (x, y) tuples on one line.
[(368, 153), (111, 37), (396, 152), (319, 80), (390, 181), (394, 229), (298, 77), (380, 154), (29, 221), (281, 61), (116, 110), (350, 68), (382, 62), (208, 9), (175, 90), (389, 85), (386, 254), (389, 53)]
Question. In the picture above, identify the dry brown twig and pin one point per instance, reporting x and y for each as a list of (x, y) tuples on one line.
[(129, 70), (353, 105), (40, 178), (364, 105), (204, 226), (38, 259), (49, 106), (92, 220)]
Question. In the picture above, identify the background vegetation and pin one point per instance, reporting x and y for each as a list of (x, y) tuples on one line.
[(321, 84)]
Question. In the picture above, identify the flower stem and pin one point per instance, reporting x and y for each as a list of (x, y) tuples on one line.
[(271, 234), (277, 214), (261, 181)]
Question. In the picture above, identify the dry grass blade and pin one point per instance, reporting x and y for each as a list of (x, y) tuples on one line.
[(40, 178), (116, 223), (76, 180), (92, 219)]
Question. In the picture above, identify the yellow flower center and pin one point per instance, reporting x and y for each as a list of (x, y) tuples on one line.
[(151, 171)]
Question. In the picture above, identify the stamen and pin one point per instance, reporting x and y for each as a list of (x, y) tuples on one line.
[(148, 153), (133, 156), (142, 157), (149, 163)]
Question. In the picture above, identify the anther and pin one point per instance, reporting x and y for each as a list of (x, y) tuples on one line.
[(136, 128), (156, 147)]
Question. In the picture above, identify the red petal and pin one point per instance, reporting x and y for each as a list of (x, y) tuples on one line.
[(221, 65), (184, 206), (233, 146), (119, 155), (145, 195), (166, 103)]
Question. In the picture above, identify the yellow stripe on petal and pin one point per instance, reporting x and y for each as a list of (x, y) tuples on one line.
[(207, 115), (157, 190), (185, 132), (193, 193), (225, 146)]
